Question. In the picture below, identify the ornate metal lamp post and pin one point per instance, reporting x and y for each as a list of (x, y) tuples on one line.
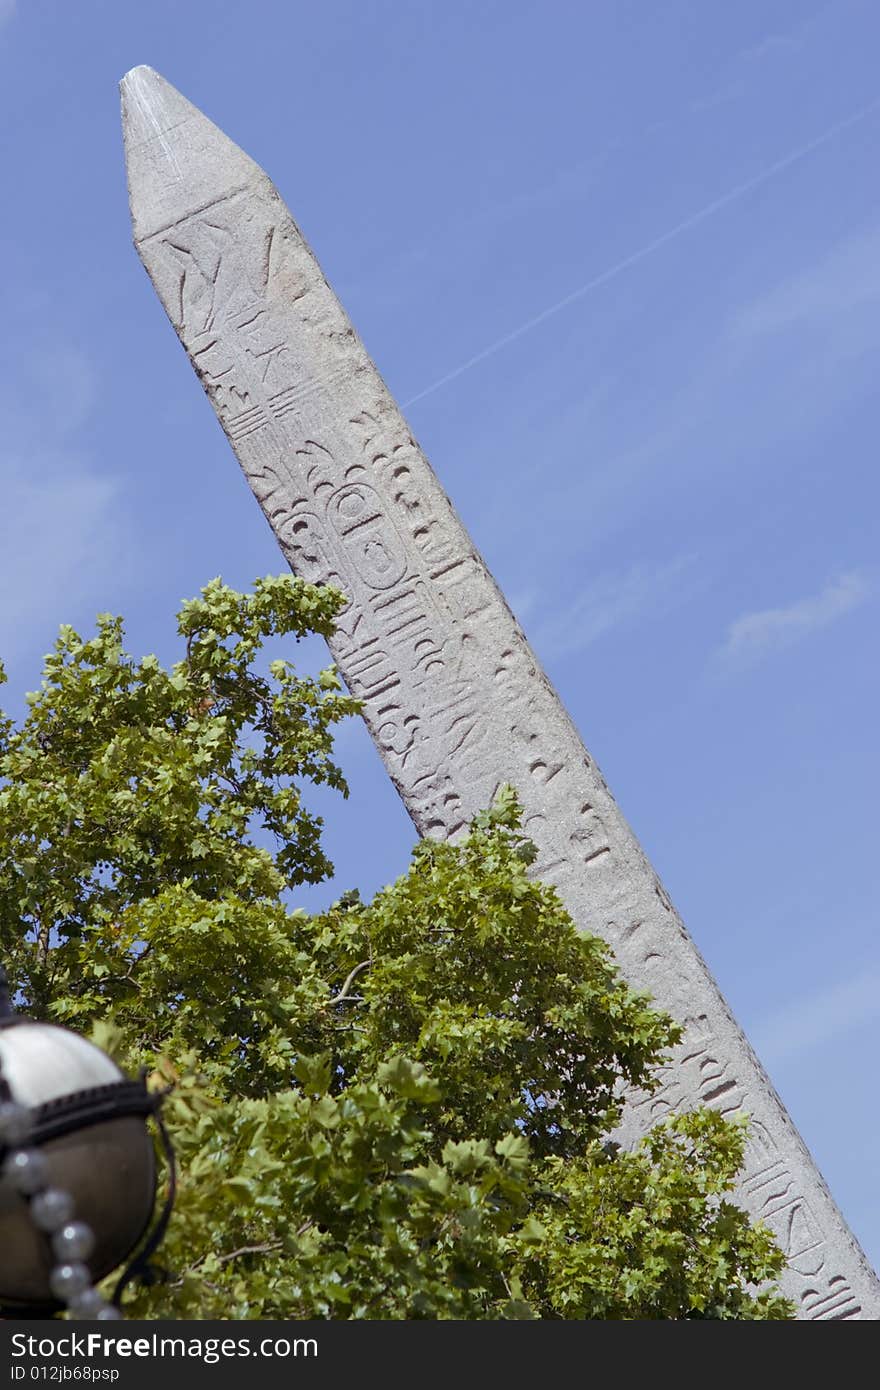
[(77, 1170)]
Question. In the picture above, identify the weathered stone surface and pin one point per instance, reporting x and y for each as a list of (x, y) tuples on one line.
[(453, 695)]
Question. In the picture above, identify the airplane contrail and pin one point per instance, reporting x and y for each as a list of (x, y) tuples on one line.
[(694, 220)]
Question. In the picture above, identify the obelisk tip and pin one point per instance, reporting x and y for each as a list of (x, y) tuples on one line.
[(177, 159), (145, 99), (139, 72), (144, 94)]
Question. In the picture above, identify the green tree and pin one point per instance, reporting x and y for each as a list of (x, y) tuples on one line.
[(393, 1109)]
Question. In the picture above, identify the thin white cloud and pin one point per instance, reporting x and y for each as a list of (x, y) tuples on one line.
[(7, 10), (755, 634), (846, 279), (60, 537), (770, 52), (523, 603), (775, 46), (687, 224), (64, 537), (808, 1023), (608, 602)]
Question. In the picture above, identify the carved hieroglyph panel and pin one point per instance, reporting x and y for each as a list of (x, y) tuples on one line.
[(452, 693)]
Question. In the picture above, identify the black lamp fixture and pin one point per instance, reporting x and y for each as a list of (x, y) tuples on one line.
[(77, 1171)]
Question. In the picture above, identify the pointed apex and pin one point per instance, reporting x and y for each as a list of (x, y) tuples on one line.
[(142, 70), (177, 160)]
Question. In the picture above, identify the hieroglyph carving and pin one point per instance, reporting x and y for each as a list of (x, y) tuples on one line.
[(452, 693)]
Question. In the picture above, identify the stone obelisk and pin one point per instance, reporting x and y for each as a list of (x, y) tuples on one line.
[(453, 695)]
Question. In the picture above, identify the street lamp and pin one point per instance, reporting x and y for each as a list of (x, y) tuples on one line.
[(77, 1170)]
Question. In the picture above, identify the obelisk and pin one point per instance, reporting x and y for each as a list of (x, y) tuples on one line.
[(453, 695)]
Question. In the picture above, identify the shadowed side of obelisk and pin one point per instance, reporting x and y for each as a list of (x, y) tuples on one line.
[(453, 695)]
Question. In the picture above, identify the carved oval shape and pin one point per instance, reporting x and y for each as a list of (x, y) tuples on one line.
[(368, 535)]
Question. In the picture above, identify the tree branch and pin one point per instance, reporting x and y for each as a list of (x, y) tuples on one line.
[(350, 979)]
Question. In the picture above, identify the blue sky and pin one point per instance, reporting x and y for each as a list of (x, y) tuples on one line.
[(624, 262)]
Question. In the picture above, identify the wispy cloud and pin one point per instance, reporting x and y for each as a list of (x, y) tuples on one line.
[(608, 602), (809, 1022), (7, 10), (846, 279), (392, 274), (738, 75), (636, 257), (57, 544), (63, 530), (774, 46), (755, 634)]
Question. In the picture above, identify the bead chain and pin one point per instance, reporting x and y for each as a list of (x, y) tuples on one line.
[(52, 1212)]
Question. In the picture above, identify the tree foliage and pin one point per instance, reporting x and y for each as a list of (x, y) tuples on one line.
[(394, 1109)]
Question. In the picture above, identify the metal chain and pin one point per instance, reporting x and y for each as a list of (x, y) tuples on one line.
[(52, 1211)]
